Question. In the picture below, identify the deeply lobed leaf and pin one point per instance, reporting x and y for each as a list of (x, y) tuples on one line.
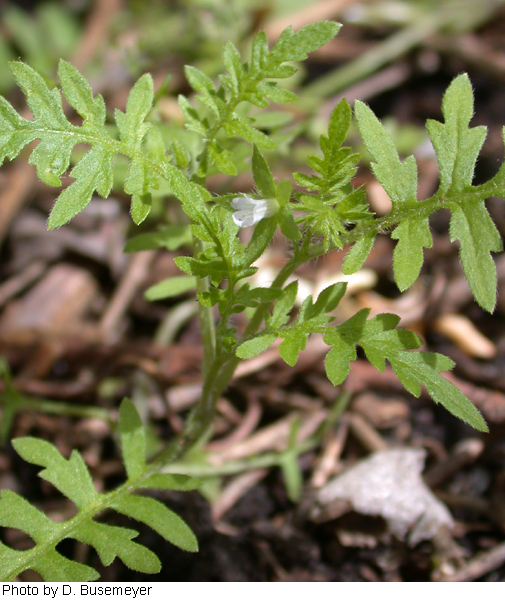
[(72, 478), (247, 83), (335, 201), (58, 136), (457, 147), (381, 341)]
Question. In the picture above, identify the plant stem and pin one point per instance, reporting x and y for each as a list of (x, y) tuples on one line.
[(52, 407), (206, 318), (267, 459), (234, 467)]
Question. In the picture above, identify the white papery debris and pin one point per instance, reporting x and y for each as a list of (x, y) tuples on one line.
[(389, 484)]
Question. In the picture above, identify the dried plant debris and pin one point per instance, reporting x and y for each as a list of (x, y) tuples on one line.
[(389, 484)]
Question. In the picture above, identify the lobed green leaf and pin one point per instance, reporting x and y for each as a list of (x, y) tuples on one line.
[(456, 146), (399, 179), (72, 478), (79, 95), (157, 516), (474, 228), (296, 46), (413, 234), (381, 341), (256, 345)]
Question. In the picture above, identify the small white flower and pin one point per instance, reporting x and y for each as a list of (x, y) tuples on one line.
[(249, 211)]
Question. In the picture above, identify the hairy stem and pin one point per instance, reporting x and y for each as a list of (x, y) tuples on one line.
[(206, 318)]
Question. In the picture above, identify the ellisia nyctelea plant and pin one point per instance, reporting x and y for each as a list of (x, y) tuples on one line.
[(328, 214)]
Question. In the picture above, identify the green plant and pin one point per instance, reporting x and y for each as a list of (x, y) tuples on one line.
[(329, 214)]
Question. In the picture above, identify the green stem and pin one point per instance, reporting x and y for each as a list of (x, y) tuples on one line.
[(268, 459), (206, 318), (21, 402), (420, 209), (235, 467), (217, 379)]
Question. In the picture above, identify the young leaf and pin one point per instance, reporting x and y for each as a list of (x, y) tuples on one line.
[(413, 234), (262, 175), (399, 179), (336, 202), (168, 288), (457, 146), (133, 441), (474, 228)]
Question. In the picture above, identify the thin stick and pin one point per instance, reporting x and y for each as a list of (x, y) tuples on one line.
[(479, 566)]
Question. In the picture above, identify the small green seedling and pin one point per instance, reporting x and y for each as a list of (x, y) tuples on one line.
[(327, 214)]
